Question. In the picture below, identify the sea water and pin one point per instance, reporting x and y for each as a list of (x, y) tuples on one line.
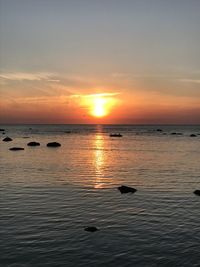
[(49, 195)]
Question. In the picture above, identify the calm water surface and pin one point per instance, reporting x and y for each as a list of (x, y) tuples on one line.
[(49, 195)]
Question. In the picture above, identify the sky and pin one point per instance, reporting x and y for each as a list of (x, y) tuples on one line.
[(108, 61)]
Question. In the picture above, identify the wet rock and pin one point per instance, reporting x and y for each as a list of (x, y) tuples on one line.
[(159, 130), (2, 130), (16, 148), (53, 144), (126, 189), (33, 144), (197, 192), (116, 135), (7, 139), (174, 133), (193, 135), (91, 229)]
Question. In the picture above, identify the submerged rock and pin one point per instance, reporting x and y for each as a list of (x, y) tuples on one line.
[(126, 189), (2, 130), (193, 135), (91, 229), (159, 130), (33, 144), (53, 144), (197, 192), (116, 135), (7, 139), (16, 148)]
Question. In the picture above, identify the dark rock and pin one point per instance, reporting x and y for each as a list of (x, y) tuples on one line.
[(3, 133), (7, 139), (2, 130), (193, 135), (126, 189), (159, 130), (26, 137), (53, 144), (197, 192), (116, 135), (16, 148), (67, 132), (33, 144), (174, 133), (91, 229)]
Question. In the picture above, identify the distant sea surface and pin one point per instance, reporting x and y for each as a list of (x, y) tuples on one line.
[(49, 195)]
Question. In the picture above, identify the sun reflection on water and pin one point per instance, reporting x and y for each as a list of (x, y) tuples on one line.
[(99, 160)]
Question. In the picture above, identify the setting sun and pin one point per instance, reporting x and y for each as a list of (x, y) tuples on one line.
[(99, 108)]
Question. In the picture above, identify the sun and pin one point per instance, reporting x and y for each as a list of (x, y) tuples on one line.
[(99, 107)]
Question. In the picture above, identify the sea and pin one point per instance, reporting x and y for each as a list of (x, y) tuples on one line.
[(48, 196)]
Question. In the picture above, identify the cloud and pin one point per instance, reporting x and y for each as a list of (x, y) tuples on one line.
[(190, 81), (95, 95), (25, 76)]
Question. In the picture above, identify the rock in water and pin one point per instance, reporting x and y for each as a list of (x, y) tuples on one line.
[(2, 130), (126, 189), (7, 139), (16, 148), (53, 144), (193, 135), (33, 144), (197, 192), (116, 135), (91, 229)]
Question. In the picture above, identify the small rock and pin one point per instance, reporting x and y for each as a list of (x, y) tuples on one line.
[(33, 144), (173, 133), (116, 135), (16, 148), (2, 130), (159, 130), (126, 189), (197, 192), (53, 144), (193, 135), (7, 139), (91, 229)]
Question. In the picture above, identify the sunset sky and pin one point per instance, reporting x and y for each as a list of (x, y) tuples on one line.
[(100, 61)]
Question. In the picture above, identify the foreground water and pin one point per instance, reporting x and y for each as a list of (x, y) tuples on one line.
[(49, 195)]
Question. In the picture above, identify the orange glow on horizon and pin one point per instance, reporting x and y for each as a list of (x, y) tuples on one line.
[(99, 105)]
